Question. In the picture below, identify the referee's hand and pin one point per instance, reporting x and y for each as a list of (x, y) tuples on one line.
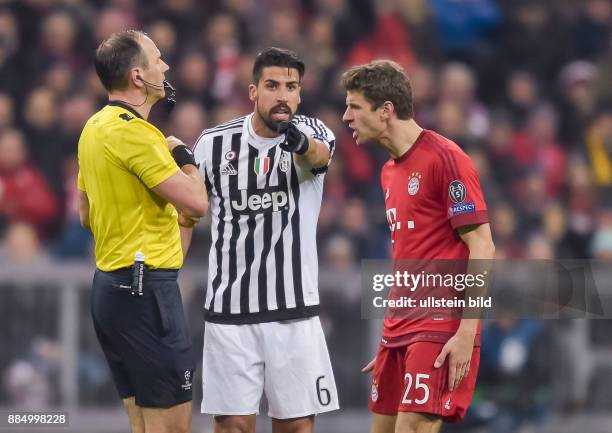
[(173, 142), (187, 222)]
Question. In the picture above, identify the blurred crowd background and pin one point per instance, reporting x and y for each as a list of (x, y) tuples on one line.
[(523, 86)]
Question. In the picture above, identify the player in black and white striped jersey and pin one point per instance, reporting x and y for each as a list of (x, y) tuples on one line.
[(264, 173), (256, 186)]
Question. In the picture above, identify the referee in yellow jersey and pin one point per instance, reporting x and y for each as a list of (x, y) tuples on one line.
[(136, 189)]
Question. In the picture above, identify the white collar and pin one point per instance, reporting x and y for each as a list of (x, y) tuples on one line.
[(258, 139)]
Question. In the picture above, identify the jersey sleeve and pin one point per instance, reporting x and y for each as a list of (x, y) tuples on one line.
[(199, 153), (80, 182), (460, 190), (145, 153), (316, 129)]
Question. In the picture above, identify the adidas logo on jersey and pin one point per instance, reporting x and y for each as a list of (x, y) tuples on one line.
[(274, 200), (229, 170)]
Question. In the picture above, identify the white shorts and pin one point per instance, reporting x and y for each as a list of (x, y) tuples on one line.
[(288, 361)]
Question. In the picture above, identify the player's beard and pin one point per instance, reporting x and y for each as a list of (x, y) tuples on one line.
[(267, 117)]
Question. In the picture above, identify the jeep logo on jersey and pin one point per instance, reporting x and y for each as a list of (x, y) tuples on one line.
[(457, 191), (262, 166), (260, 202)]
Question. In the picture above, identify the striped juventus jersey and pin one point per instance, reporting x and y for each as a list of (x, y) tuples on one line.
[(263, 262)]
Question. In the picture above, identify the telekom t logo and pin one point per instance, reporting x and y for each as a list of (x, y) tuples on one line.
[(392, 219), (394, 224)]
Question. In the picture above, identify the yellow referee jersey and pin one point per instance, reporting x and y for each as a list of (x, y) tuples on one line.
[(121, 157)]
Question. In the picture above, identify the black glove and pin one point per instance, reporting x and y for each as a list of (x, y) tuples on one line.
[(295, 140)]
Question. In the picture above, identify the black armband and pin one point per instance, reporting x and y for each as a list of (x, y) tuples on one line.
[(183, 155)]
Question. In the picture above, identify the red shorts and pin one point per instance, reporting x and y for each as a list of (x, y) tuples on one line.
[(405, 380)]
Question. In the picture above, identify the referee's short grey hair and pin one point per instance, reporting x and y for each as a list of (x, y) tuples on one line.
[(116, 56)]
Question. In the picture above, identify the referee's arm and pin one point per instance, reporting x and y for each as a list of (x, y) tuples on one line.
[(184, 189), (186, 228), (84, 209), (187, 192)]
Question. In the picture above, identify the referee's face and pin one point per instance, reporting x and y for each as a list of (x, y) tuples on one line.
[(154, 74), (276, 95)]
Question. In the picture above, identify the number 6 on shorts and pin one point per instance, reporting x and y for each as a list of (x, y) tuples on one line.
[(418, 384)]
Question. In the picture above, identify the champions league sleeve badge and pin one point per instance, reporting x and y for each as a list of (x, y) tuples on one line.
[(457, 191)]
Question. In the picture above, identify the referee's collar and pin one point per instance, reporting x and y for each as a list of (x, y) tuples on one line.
[(125, 106)]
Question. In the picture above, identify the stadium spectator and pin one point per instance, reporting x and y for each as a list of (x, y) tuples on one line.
[(7, 112), (195, 76), (74, 241), (58, 38), (21, 246), (24, 194), (522, 96), (536, 147), (389, 39), (591, 33), (515, 371), (533, 40), (10, 60), (599, 145), (188, 121), (42, 132), (578, 105), (464, 25)]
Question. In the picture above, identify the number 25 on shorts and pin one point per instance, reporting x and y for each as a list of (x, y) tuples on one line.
[(419, 385)]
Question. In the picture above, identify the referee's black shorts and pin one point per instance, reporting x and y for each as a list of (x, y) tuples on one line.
[(144, 338)]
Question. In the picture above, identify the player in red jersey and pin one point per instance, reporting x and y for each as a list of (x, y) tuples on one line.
[(425, 370)]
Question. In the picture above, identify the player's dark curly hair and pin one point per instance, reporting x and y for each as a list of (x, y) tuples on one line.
[(116, 56), (277, 57), (380, 81)]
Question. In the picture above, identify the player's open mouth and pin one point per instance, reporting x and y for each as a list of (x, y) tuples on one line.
[(281, 113)]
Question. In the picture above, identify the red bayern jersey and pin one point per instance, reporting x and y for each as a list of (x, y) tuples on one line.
[(430, 191)]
